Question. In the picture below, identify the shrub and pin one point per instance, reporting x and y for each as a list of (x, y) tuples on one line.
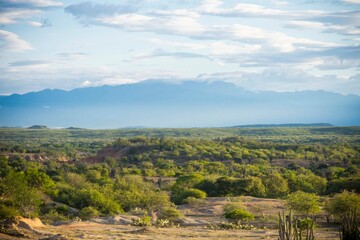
[(88, 212), (163, 223), (181, 196), (8, 212), (303, 202), (233, 225), (144, 221), (344, 203), (169, 213), (305, 223), (238, 215), (53, 216)]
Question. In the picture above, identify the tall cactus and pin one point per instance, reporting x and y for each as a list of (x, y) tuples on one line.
[(287, 227), (289, 230)]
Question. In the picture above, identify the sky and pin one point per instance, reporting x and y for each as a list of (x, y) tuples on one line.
[(259, 45)]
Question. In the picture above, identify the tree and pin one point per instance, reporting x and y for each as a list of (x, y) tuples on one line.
[(39, 180), (255, 187), (343, 203), (310, 183), (346, 205), (17, 193), (188, 181), (302, 202), (276, 185)]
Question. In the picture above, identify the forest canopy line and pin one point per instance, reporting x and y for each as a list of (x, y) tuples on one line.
[(89, 173)]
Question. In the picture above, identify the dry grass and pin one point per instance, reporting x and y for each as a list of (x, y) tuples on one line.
[(196, 220)]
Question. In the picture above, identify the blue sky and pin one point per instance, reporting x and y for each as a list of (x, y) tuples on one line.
[(260, 45)]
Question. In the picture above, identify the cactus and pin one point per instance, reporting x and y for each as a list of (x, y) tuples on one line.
[(289, 228)]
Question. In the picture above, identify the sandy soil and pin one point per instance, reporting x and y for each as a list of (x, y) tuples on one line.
[(197, 218)]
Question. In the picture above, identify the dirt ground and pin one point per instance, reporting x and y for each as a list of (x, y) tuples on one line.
[(196, 220)]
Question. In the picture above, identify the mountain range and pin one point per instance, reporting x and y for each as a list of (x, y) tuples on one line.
[(183, 104)]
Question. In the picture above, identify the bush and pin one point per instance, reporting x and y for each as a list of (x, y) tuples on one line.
[(238, 215), (88, 212), (233, 225), (169, 213), (144, 221), (303, 202), (53, 216), (344, 203), (8, 212), (305, 223), (181, 196)]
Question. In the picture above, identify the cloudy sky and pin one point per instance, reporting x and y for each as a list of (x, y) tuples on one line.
[(260, 45)]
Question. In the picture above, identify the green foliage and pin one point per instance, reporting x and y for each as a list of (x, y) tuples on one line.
[(154, 201), (88, 212), (238, 214), (133, 192), (344, 203), (169, 213), (53, 216), (39, 180), (144, 221), (276, 185), (349, 184), (264, 162), (188, 181), (308, 182), (18, 194), (94, 198), (4, 166), (233, 225), (255, 187), (303, 202), (180, 196), (305, 223), (7, 212)]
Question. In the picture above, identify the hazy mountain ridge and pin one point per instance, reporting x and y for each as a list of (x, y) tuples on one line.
[(186, 104)]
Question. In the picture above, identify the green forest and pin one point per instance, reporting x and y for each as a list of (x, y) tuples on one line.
[(59, 175)]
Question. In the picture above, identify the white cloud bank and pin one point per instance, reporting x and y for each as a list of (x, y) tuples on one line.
[(12, 42)]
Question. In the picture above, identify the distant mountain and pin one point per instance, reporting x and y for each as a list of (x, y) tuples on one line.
[(38, 127), (285, 125), (186, 104)]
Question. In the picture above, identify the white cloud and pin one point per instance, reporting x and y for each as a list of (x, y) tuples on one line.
[(36, 3), (177, 45), (35, 24), (330, 28), (243, 9), (42, 24), (267, 39), (254, 10), (222, 48), (178, 25), (130, 22), (192, 28), (177, 12), (86, 83), (11, 42), (210, 5), (280, 3), (9, 16), (304, 24), (352, 1), (287, 79)]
